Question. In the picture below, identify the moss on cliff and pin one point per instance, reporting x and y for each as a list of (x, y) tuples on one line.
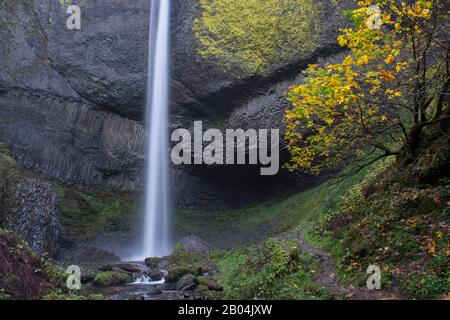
[(255, 35), (7, 163), (87, 213), (8, 174)]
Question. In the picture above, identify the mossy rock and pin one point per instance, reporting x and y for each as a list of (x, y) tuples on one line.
[(153, 263), (111, 279), (183, 257), (178, 272), (187, 282), (208, 283), (204, 293)]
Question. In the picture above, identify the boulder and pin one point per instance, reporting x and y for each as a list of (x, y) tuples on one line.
[(153, 263), (210, 284), (32, 213), (155, 274), (88, 276), (154, 291), (105, 267), (195, 244), (122, 267), (186, 283), (132, 267)]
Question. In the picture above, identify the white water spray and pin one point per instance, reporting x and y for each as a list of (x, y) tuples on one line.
[(156, 227)]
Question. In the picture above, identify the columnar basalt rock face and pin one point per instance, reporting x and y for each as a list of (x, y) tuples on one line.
[(72, 102), (33, 215), (73, 142)]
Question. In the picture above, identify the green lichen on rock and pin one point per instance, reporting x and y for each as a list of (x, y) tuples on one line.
[(254, 35)]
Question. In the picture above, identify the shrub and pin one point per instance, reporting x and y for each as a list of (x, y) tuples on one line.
[(275, 271), (426, 285)]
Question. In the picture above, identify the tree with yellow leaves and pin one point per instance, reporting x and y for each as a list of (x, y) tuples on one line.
[(391, 86)]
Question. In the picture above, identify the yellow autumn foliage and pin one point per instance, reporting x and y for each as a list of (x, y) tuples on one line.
[(341, 109)]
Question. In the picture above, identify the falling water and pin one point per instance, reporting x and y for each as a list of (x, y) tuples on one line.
[(156, 228)]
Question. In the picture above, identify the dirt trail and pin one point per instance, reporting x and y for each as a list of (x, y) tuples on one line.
[(326, 275)]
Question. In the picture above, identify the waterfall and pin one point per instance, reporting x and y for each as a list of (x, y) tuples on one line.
[(156, 225)]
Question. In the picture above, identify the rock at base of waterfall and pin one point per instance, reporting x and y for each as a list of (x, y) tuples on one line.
[(155, 274), (186, 283), (33, 210), (132, 267), (195, 244), (154, 263), (209, 283), (85, 255)]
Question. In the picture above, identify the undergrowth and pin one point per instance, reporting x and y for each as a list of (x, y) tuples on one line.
[(396, 218), (274, 270)]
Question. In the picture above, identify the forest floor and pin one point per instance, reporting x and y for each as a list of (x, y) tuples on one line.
[(326, 274)]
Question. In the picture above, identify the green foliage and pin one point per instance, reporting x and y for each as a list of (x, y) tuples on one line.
[(4, 295), (355, 195), (254, 35), (55, 274), (111, 279), (184, 257), (274, 270), (106, 210), (426, 285), (183, 262), (62, 296)]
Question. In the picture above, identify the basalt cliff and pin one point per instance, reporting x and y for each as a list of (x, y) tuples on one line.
[(72, 102)]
